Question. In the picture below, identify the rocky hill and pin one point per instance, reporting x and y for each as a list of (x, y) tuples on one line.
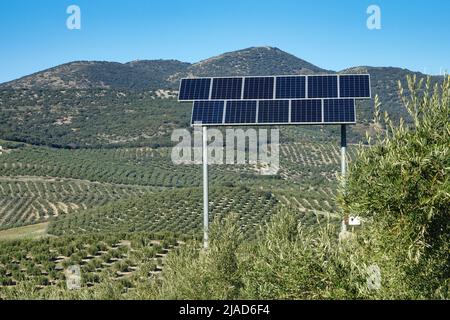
[(162, 74)]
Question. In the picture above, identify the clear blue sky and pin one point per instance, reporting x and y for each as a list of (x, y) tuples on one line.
[(332, 34)]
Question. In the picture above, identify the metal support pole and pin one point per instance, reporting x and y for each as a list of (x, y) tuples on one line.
[(205, 188), (343, 151), (343, 168)]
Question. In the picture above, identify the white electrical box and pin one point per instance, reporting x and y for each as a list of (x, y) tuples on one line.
[(354, 221)]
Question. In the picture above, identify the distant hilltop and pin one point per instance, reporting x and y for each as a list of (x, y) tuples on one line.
[(165, 74)]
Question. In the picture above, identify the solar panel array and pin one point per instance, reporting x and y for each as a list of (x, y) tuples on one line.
[(312, 99), (276, 88), (274, 112)]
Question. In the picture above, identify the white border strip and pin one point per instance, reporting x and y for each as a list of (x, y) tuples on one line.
[(290, 111), (275, 88), (257, 112), (323, 110), (224, 110), (210, 89)]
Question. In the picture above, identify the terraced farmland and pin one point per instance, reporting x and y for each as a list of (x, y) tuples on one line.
[(39, 183), (177, 211), (136, 166), (309, 199), (128, 259), (93, 205), (312, 163), (26, 200)]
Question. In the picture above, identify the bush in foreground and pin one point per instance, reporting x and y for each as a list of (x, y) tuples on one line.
[(401, 186)]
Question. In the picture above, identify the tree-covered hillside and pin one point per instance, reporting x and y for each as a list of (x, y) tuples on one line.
[(105, 104)]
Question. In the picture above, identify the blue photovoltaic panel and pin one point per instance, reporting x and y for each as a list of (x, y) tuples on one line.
[(273, 111), (226, 88), (304, 111), (322, 87), (354, 86), (297, 99), (287, 87), (291, 87), (240, 112), (208, 112), (339, 110), (194, 89), (258, 88)]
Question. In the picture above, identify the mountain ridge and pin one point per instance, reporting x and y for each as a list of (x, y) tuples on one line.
[(138, 74), (166, 73), (163, 73)]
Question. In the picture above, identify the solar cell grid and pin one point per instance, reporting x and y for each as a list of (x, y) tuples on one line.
[(207, 112), (243, 112), (291, 87), (339, 110), (258, 88), (304, 111), (354, 86), (322, 87), (195, 89), (226, 88), (273, 111)]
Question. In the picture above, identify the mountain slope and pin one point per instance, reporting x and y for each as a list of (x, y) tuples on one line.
[(252, 61), (146, 74), (162, 74)]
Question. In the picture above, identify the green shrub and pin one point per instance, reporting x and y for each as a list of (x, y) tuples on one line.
[(292, 261), (192, 273), (401, 186)]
